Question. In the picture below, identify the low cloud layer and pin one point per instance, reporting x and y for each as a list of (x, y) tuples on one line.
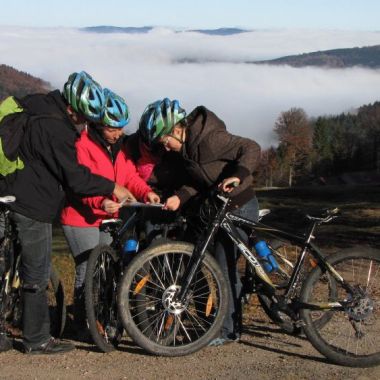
[(249, 98)]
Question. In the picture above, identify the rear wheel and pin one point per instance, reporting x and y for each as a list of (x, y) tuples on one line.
[(349, 335), (102, 275), (153, 317), (57, 304)]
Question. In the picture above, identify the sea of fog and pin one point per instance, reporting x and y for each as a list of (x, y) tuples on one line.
[(201, 69)]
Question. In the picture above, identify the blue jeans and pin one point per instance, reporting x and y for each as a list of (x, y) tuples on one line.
[(226, 254), (36, 245)]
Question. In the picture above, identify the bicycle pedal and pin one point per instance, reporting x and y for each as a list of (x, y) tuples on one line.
[(299, 323)]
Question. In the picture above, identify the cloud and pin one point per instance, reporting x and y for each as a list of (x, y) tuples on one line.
[(249, 98)]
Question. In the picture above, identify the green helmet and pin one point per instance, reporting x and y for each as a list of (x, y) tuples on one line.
[(116, 113), (159, 118), (84, 95)]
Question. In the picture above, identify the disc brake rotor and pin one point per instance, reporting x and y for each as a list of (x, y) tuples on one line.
[(169, 300), (363, 309)]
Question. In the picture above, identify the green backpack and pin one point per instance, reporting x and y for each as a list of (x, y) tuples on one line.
[(13, 121)]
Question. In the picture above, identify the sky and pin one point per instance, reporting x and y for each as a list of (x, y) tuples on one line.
[(195, 68), (251, 14)]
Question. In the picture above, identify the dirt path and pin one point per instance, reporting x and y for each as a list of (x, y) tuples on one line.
[(264, 353)]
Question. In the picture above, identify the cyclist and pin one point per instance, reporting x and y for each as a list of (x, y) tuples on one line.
[(100, 148), (211, 156), (50, 168)]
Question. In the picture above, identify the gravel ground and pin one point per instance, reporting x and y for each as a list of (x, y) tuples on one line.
[(264, 352)]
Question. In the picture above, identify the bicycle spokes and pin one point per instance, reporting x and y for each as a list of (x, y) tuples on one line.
[(351, 319), (156, 309)]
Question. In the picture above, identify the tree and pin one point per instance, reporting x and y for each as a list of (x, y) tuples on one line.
[(295, 142), (268, 167)]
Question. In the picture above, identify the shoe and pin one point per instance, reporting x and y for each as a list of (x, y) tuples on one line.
[(52, 346), (220, 341), (5, 343)]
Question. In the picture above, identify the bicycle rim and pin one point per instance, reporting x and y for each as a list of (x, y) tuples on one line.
[(149, 309), (349, 336), (100, 293)]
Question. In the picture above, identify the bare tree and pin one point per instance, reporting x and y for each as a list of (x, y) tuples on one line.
[(295, 141)]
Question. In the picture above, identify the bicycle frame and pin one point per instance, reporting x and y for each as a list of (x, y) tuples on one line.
[(229, 223)]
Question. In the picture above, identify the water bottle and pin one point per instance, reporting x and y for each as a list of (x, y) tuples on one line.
[(130, 248), (267, 259)]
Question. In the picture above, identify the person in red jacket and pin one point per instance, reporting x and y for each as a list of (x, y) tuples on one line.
[(100, 148)]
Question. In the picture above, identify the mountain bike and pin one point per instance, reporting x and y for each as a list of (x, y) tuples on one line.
[(335, 298), (11, 284), (105, 267)]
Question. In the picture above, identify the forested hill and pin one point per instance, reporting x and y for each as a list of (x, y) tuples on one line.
[(368, 56), (18, 83)]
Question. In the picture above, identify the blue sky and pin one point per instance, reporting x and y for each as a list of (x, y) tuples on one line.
[(257, 14)]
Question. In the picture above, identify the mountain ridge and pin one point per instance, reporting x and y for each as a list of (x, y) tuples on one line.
[(367, 56), (227, 31), (19, 83)]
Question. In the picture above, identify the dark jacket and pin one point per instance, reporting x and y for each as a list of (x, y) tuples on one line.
[(48, 152), (211, 154)]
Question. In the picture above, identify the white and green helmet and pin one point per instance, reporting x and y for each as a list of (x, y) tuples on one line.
[(85, 96), (159, 118)]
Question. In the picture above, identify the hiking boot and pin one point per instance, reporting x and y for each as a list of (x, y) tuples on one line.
[(52, 346), (6, 344)]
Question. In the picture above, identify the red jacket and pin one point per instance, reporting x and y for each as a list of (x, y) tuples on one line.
[(87, 212)]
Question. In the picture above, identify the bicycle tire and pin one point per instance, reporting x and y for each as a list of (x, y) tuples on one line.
[(100, 298), (347, 334), (57, 304), (184, 327)]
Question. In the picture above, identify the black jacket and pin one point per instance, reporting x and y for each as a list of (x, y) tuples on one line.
[(49, 155), (211, 154)]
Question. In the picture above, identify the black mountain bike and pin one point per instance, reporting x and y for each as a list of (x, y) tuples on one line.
[(10, 283), (335, 299), (105, 267)]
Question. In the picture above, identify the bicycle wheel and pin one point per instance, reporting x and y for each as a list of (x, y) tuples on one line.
[(148, 308), (348, 336), (57, 304), (100, 298)]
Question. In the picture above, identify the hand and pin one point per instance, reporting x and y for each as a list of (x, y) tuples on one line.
[(123, 194), (152, 197), (110, 206), (228, 184), (172, 203)]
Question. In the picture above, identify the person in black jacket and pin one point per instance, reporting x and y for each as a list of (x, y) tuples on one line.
[(211, 157), (50, 168)]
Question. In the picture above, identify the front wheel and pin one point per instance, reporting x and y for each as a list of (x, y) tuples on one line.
[(100, 298), (152, 315), (350, 334)]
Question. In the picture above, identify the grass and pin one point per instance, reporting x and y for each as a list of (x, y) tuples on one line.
[(358, 223)]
